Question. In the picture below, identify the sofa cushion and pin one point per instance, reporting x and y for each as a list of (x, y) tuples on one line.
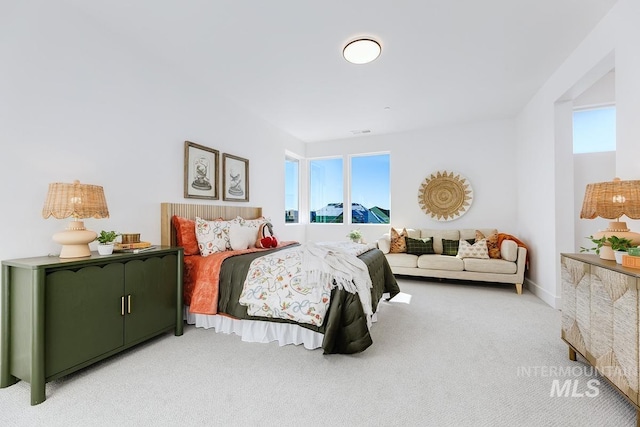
[(509, 250), (476, 250), (440, 262), (450, 247), (437, 236), (398, 243), (492, 243), (419, 246), (384, 243), (498, 266), (402, 260)]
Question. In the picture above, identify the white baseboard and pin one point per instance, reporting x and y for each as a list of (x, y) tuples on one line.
[(543, 294)]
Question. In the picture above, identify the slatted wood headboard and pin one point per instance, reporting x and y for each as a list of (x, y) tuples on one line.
[(191, 211)]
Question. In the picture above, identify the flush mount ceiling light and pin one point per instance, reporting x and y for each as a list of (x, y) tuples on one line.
[(361, 51)]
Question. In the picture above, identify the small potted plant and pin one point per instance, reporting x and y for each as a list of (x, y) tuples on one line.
[(355, 235), (106, 241), (619, 245)]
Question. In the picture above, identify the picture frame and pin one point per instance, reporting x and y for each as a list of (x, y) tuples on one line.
[(235, 178), (200, 171)]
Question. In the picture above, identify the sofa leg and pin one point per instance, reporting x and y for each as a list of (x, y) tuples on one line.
[(519, 288)]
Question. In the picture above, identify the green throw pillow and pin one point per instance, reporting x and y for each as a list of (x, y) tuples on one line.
[(450, 247), (420, 246)]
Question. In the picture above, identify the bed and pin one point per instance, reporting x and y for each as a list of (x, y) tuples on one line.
[(345, 327)]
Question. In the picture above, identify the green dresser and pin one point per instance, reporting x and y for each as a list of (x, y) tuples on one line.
[(61, 315)]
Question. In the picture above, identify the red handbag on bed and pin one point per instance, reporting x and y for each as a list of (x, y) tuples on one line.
[(266, 240)]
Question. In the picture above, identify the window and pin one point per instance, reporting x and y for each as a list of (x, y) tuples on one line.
[(291, 190), (594, 130), (326, 191), (370, 190)]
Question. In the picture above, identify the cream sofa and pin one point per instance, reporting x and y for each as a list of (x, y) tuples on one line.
[(508, 269)]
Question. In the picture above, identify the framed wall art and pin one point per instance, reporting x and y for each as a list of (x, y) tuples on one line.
[(235, 178), (200, 171)]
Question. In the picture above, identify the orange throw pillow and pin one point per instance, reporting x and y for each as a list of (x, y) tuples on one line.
[(398, 243), (492, 244), (186, 234)]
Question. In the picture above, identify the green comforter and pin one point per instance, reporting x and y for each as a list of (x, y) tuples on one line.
[(345, 327)]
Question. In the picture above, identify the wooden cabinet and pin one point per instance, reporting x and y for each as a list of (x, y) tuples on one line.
[(60, 315), (600, 318)]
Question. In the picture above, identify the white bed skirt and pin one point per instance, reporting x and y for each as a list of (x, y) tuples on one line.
[(258, 331)]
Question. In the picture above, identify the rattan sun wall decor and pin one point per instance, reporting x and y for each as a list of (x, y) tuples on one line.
[(445, 196)]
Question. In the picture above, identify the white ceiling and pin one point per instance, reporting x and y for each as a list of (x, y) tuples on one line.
[(442, 61)]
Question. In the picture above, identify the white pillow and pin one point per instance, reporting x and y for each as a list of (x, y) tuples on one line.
[(255, 223), (242, 236), (212, 236), (384, 243), (509, 250), (477, 250)]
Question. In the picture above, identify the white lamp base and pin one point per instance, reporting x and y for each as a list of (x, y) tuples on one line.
[(607, 253), (75, 240)]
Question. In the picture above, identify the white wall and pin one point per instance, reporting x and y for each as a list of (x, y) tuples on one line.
[(482, 152), (602, 92), (613, 43), (77, 102)]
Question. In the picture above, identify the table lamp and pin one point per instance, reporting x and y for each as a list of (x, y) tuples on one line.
[(78, 201), (611, 200)]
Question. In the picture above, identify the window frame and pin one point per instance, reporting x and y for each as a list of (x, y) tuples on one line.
[(291, 157), (346, 201)]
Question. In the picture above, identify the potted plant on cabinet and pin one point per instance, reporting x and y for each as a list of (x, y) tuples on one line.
[(106, 241), (619, 245)]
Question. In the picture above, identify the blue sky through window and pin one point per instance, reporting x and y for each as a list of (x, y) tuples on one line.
[(292, 171), (370, 181), (594, 130)]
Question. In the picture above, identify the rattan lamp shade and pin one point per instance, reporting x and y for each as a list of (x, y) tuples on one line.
[(611, 200), (78, 201), (75, 200)]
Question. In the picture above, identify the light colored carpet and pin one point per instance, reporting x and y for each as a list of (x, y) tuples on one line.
[(456, 355)]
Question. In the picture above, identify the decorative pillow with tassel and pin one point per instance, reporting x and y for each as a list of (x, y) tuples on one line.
[(266, 239)]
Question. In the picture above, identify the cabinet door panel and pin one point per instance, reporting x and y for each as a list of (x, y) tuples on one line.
[(576, 304), (614, 319), (84, 318), (151, 286)]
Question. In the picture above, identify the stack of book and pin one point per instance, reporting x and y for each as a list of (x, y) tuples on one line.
[(132, 247)]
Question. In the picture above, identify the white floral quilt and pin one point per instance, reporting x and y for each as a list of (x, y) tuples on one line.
[(296, 283)]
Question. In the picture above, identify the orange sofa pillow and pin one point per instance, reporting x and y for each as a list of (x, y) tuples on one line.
[(398, 243)]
